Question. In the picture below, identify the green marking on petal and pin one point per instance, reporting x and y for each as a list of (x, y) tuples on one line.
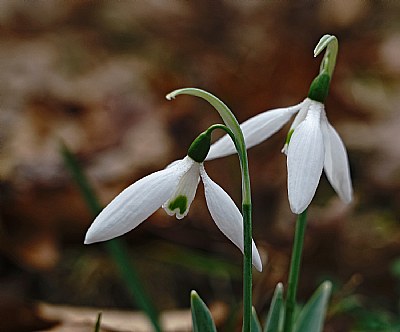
[(180, 202), (289, 136)]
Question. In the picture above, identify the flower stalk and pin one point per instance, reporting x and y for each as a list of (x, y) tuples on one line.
[(232, 123), (294, 270), (318, 92)]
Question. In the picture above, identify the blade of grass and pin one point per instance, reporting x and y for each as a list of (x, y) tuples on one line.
[(98, 323), (115, 248)]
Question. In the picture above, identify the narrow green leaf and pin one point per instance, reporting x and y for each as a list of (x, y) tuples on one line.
[(276, 311), (98, 323), (312, 316), (115, 248), (201, 316), (255, 323)]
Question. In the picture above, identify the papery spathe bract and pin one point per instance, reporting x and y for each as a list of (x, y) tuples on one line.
[(174, 189)]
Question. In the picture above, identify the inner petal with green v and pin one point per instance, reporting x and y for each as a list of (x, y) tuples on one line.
[(179, 203)]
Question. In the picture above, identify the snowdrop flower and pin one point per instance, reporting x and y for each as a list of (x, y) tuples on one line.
[(173, 189), (314, 145)]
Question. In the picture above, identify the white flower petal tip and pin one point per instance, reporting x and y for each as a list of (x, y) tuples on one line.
[(299, 209), (305, 160), (336, 163), (256, 258), (136, 203), (226, 215), (90, 237)]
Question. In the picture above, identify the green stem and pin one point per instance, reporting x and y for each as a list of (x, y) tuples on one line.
[(247, 238), (247, 231), (294, 270), (232, 123), (247, 268)]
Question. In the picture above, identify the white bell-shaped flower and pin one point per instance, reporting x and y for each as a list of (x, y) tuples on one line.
[(314, 145), (174, 189)]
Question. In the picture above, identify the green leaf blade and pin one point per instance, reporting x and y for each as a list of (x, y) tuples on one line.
[(312, 316), (201, 315), (255, 323), (276, 311)]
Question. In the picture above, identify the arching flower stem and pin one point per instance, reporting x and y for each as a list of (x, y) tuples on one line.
[(232, 123), (200, 147)]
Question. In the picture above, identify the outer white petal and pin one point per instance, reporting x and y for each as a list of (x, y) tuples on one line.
[(255, 130), (305, 160), (226, 215), (136, 203), (299, 118), (336, 163), (179, 202)]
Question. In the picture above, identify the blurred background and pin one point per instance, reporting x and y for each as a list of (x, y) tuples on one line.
[(94, 74)]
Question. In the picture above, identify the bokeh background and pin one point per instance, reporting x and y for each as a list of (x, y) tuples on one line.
[(94, 74)]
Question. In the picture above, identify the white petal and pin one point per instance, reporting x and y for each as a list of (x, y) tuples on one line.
[(305, 160), (179, 202), (136, 203), (298, 119), (336, 163), (255, 130), (226, 215)]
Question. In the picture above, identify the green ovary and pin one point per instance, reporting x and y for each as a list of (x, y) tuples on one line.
[(180, 202)]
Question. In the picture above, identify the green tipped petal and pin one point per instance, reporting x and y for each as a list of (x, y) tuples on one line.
[(179, 203)]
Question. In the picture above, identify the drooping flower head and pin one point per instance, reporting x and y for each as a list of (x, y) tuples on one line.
[(312, 143), (172, 188)]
